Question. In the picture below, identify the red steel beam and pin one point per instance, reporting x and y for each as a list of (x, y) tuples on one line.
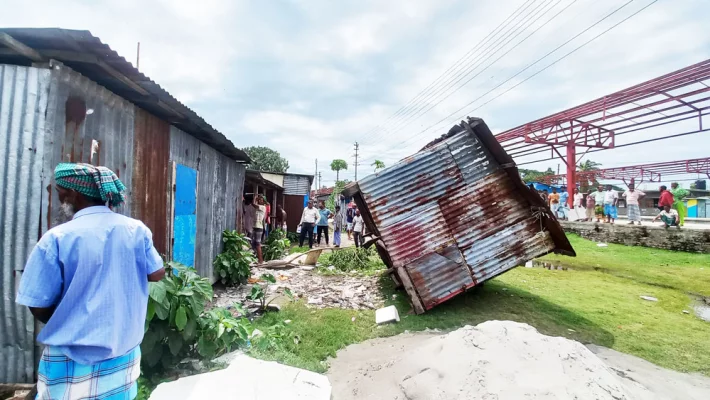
[(643, 172)]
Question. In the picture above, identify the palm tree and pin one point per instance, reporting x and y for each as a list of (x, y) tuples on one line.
[(588, 165), (378, 165), (337, 166)]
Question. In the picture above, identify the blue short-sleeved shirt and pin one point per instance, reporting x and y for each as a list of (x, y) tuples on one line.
[(324, 213), (563, 197), (94, 268)]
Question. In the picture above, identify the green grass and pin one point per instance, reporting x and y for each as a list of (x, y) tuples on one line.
[(600, 306)]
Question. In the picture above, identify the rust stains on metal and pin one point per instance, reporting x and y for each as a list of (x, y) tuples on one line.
[(454, 215), (151, 175)]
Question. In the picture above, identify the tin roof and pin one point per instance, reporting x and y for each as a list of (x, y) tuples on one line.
[(456, 214), (86, 54)]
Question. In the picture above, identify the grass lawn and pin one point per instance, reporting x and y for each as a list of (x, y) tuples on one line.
[(595, 302)]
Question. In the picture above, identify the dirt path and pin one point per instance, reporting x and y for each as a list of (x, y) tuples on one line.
[(500, 361)]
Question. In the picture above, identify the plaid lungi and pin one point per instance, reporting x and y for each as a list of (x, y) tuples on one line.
[(634, 213), (60, 378)]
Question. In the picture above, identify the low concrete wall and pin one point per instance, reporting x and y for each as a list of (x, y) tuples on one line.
[(690, 240)]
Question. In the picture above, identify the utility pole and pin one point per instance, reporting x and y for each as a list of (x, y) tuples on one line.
[(315, 178), (138, 56), (320, 181), (357, 148)]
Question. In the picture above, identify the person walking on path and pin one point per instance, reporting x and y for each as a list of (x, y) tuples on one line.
[(358, 228), (599, 203), (591, 207), (610, 200), (669, 216), (323, 222), (338, 222), (666, 198), (259, 226), (632, 197), (309, 219), (87, 280), (679, 195), (350, 214)]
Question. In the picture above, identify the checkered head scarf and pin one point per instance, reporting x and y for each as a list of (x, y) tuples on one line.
[(91, 181)]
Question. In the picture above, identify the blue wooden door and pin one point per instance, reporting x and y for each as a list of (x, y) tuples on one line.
[(185, 223)]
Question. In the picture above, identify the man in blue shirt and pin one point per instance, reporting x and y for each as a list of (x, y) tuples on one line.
[(87, 279), (563, 210), (323, 222)]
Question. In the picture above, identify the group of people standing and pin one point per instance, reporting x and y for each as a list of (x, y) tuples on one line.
[(602, 204), (317, 219)]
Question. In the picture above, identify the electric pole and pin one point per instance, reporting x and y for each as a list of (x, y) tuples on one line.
[(320, 181), (357, 148), (315, 178)]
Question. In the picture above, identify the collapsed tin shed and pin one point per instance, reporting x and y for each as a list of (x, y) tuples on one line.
[(66, 96), (454, 215)]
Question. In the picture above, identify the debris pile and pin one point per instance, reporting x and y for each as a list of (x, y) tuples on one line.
[(349, 291)]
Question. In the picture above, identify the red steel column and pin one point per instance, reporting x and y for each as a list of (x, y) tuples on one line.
[(571, 172)]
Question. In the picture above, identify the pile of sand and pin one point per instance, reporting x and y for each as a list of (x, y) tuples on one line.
[(494, 360)]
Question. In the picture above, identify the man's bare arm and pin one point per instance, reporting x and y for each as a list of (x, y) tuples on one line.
[(157, 275), (43, 314)]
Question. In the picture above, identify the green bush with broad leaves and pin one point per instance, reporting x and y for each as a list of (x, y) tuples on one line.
[(276, 245), (174, 305), (220, 332), (232, 265)]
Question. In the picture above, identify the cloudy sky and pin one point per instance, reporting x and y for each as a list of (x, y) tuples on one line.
[(308, 78)]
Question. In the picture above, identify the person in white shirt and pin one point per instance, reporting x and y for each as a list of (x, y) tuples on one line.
[(610, 200), (358, 228), (309, 219), (669, 217), (632, 197)]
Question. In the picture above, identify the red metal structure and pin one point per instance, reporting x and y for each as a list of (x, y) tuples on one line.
[(641, 173), (679, 96)]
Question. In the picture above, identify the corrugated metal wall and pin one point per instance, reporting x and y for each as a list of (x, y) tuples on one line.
[(103, 135), (220, 183), (23, 103), (296, 185), (151, 175)]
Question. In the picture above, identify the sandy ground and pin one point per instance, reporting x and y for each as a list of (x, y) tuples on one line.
[(501, 362)]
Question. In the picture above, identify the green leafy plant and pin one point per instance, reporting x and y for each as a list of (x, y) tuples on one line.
[(220, 332), (276, 245), (334, 198), (259, 291), (174, 305), (232, 265), (378, 165), (292, 237), (337, 166)]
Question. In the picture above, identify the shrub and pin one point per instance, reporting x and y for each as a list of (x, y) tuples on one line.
[(174, 305), (258, 292), (220, 332), (276, 245), (232, 265)]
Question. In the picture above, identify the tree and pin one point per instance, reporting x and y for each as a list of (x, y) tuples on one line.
[(334, 198), (378, 165), (337, 166), (266, 159), (531, 175), (588, 165)]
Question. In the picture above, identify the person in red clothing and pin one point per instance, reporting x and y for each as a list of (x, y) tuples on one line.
[(666, 198)]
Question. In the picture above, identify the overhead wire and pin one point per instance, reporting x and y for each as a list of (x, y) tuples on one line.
[(405, 142), (415, 110)]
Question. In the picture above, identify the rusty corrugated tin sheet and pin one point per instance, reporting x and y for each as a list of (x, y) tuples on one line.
[(220, 184), (23, 103), (454, 215), (151, 173), (85, 123)]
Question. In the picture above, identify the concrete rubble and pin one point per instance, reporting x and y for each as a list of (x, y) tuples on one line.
[(250, 379), (348, 291)]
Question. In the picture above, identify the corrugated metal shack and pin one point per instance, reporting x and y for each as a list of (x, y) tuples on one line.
[(285, 189), (454, 215), (66, 96)]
